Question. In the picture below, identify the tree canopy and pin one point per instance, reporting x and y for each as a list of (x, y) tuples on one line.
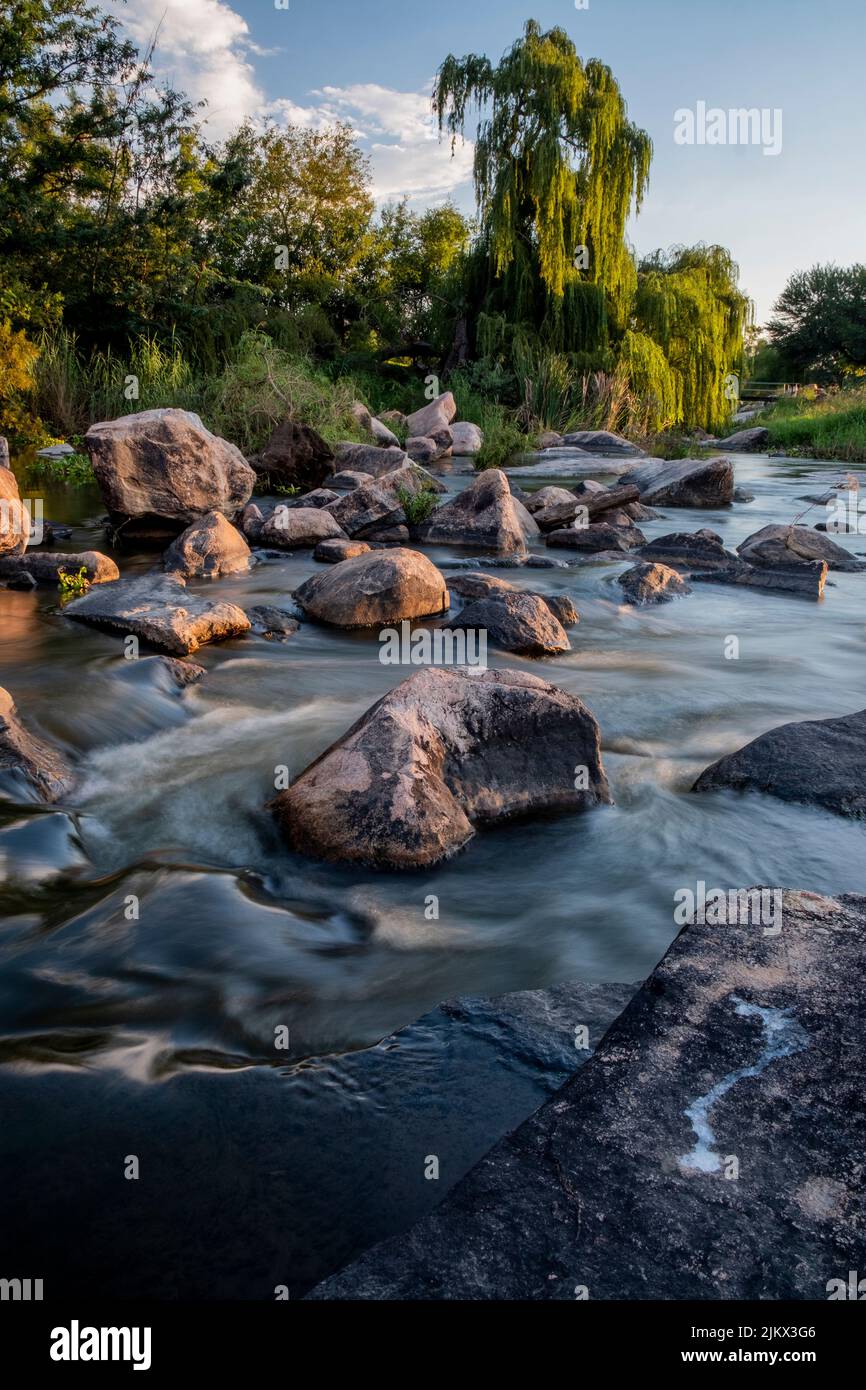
[(819, 322)]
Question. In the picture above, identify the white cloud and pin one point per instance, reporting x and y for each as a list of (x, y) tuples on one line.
[(204, 48)]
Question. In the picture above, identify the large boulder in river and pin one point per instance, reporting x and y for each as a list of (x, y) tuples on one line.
[(599, 536), (295, 456), (818, 761), (791, 545), (382, 586), (159, 611), (295, 528), (379, 503), (746, 441), (744, 1044), (46, 566), (26, 762), (645, 583), (484, 515), (601, 442), (14, 517), (445, 751), (160, 470), (430, 418), (683, 482), (516, 621), (466, 439), (211, 547), (474, 584), (690, 550)]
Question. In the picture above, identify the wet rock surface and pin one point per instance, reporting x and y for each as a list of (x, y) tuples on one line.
[(817, 761), (651, 583), (28, 764), (442, 753), (46, 566), (161, 612), (726, 1062), (684, 482), (382, 586), (211, 547), (515, 621)]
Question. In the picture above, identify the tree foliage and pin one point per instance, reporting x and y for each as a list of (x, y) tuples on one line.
[(819, 322)]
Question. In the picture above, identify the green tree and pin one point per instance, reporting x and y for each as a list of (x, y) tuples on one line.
[(819, 322)]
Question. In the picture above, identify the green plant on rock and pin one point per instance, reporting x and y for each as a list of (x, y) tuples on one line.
[(72, 585), (417, 506)]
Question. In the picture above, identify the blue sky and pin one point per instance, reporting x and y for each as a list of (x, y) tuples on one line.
[(371, 62)]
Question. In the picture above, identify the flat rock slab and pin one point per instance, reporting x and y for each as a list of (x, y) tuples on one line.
[(805, 580), (690, 550), (684, 482), (445, 751), (818, 761), (792, 545), (620, 1187), (161, 612)]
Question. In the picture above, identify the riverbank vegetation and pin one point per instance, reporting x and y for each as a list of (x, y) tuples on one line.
[(143, 265)]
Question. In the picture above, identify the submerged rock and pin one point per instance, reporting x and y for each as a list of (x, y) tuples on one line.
[(161, 612), (651, 583), (485, 514), (274, 623), (160, 470), (684, 482), (598, 536), (821, 762), (620, 1186), (790, 545), (445, 751), (516, 621), (211, 547), (331, 552), (28, 761), (384, 586)]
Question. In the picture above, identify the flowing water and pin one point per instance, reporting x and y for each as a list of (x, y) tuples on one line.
[(235, 936)]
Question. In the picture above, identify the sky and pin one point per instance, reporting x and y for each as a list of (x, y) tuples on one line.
[(372, 62)]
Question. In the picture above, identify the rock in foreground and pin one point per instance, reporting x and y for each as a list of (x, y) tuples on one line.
[(684, 482), (161, 612), (622, 1185), (381, 586), (26, 760), (819, 761), (444, 752), (46, 566), (516, 621), (160, 470)]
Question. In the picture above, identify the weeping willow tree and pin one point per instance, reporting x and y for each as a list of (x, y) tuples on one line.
[(558, 169), (688, 303)]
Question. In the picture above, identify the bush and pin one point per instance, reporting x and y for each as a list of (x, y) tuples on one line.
[(416, 505)]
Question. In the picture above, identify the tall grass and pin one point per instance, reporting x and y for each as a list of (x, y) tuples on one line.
[(834, 428), (73, 391)]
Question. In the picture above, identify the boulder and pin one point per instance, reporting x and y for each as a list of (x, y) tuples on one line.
[(368, 458), (792, 545), (620, 1186), (381, 587), (746, 441), (210, 548), (820, 762), (684, 482), (651, 583), (294, 528), (430, 418), (159, 611), (516, 621), (346, 480), (423, 450), (393, 417), (596, 537), (382, 434), (690, 550), (546, 497), (296, 455), (28, 762), (319, 497), (475, 585), (484, 515), (445, 751), (466, 439), (45, 566), (549, 439), (377, 504), (601, 442), (361, 415), (333, 551), (273, 623), (389, 535), (252, 521), (160, 470), (807, 579), (14, 516)]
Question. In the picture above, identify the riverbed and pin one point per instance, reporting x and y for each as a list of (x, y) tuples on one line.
[(155, 1032)]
